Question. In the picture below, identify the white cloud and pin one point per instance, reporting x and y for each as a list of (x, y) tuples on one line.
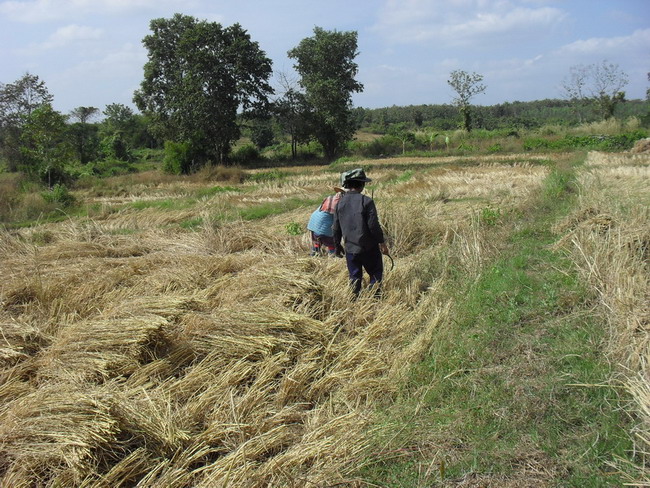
[(127, 60), (71, 34), (637, 43), (35, 11), (460, 22), (117, 73)]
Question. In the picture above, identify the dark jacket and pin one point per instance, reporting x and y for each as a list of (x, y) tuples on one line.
[(356, 221)]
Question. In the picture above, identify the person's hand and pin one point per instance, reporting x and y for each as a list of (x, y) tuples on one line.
[(383, 248), (340, 252)]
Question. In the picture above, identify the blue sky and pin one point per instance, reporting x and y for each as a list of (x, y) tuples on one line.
[(89, 52)]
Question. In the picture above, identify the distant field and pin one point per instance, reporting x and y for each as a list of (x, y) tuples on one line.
[(182, 335)]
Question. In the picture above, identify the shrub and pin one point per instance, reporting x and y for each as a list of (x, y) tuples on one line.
[(115, 146), (112, 167), (247, 153), (386, 145), (294, 229), (490, 216), (272, 175), (177, 158), (59, 194)]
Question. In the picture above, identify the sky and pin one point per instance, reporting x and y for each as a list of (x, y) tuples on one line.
[(90, 52)]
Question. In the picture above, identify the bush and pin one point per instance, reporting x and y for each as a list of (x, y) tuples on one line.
[(387, 145), (59, 194), (177, 158), (272, 175), (294, 229), (247, 153), (595, 142), (116, 147), (112, 167)]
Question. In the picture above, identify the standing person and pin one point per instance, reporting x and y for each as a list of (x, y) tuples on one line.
[(320, 225), (357, 223)]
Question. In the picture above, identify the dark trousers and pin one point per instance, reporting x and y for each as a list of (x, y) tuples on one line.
[(371, 261)]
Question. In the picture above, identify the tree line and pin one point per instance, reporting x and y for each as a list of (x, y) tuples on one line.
[(205, 86)]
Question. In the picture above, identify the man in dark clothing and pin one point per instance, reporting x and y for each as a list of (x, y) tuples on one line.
[(356, 221)]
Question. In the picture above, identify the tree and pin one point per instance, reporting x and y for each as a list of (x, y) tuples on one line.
[(465, 85), (199, 75), (293, 113), (17, 101), (402, 132), (117, 132), (598, 84), (84, 136), (44, 144), (118, 116), (84, 114), (325, 63)]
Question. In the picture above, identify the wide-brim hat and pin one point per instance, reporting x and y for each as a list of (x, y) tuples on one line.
[(357, 174)]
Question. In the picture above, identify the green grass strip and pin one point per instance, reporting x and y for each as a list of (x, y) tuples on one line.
[(515, 390)]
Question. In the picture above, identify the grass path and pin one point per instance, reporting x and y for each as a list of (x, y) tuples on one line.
[(515, 391)]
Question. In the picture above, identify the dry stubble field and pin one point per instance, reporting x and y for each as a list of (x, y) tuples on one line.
[(135, 351)]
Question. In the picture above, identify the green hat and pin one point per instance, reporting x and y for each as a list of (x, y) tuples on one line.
[(356, 174)]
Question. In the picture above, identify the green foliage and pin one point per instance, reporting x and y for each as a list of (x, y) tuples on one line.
[(115, 146), (557, 184), (192, 224), (17, 102), (177, 158), (490, 216), (262, 135), (327, 69), (293, 115), (495, 148), (45, 147), (198, 76), (294, 229), (524, 330), (59, 194), (275, 208), (272, 175), (166, 204), (246, 154), (214, 190), (111, 167), (618, 142), (387, 145), (507, 116), (466, 86)]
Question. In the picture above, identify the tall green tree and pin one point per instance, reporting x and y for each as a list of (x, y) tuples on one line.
[(325, 63), (17, 101), (199, 75), (466, 85), (45, 145)]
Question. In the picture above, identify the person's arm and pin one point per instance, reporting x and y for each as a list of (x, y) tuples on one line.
[(375, 227), (373, 222), (338, 235)]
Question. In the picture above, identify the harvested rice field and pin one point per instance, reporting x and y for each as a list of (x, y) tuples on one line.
[(182, 336)]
